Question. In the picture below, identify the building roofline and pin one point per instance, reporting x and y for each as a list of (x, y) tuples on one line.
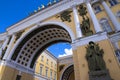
[(50, 54), (64, 57)]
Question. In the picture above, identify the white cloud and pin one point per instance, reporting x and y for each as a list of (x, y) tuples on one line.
[(67, 52)]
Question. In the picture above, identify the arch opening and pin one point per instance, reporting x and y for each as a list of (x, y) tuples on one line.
[(68, 74), (33, 44)]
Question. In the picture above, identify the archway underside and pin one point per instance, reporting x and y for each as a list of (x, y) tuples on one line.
[(68, 73), (36, 41)]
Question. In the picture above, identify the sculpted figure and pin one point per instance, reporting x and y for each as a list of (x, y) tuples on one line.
[(94, 56)]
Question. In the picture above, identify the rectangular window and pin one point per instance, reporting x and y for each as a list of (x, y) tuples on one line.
[(113, 2), (118, 55), (18, 77), (51, 64), (42, 58), (46, 72), (55, 66), (47, 61), (41, 70), (55, 76), (51, 74), (97, 8)]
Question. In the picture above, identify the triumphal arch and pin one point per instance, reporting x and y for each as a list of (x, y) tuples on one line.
[(91, 27)]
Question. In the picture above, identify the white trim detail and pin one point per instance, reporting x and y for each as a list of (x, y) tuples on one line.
[(14, 65), (3, 36), (83, 41), (115, 37), (43, 14)]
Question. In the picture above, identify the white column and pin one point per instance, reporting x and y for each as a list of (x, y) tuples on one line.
[(77, 23), (4, 44), (94, 18), (111, 16), (6, 41), (9, 47)]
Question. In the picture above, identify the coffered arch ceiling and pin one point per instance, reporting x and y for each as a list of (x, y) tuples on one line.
[(32, 45)]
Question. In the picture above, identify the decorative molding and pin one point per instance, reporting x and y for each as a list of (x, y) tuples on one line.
[(19, 67), (3, 36), (42, 15), (115, 37), (85, 40), (65, 60)]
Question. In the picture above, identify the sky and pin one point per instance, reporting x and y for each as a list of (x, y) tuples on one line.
[(12, 11)]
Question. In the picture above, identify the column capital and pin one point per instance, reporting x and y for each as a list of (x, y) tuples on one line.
[(77, 22), (94, 18)]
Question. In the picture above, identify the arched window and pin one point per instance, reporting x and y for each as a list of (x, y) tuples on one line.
[(113, 2), (105, 25)]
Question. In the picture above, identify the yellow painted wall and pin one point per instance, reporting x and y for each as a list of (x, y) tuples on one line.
[(109, 58), (8, 73), (69, 24)]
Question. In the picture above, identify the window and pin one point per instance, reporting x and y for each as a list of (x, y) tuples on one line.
[(97, 8), (51, 74), (118, 15), (55, 76), (42, 58), (55, 66), (47, 61), (18, 77), (113, 2), (41, 70), (117, 52), (46, 72), (51, 64), (105, 25)]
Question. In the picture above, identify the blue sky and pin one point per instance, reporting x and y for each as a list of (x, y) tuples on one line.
[(12, 11)]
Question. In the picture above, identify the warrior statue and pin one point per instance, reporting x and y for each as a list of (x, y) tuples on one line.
[(94, 57)]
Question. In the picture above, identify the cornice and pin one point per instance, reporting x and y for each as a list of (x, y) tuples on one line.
[(85, 40), (115, 37), (19, 67), (3, 36), (43, 14)]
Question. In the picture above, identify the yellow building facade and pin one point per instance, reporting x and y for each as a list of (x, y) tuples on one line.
[(46, 66), (77, 22)]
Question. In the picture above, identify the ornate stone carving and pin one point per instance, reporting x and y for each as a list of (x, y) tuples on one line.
[(85, 26), (65, 16), (19, 34), (94, 57), (96, 63)]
